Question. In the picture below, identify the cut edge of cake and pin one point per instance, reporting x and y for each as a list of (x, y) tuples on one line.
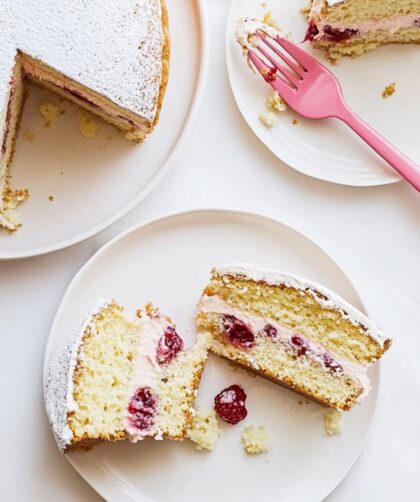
[(90, 382), (353, 27), (286, 309)]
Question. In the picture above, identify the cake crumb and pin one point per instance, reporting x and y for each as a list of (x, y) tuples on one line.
[(389, 90), (269, 20), (51, 198), (275, 102), (255, 439), (295, 121), (267, 118), (88, 126), (332, 422), (50, 112), (29, 136), (264, 4), (204, 430)]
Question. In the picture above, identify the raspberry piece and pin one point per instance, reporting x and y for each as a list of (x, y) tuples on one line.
[(300, 343), (270, 331), (142, 408), (338, 36), (169, 345), (312, 32), (229, 404), (238, 332), (331, 364)]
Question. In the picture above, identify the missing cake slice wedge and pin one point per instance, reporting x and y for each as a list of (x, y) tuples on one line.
[(291, 331), (120, 378)]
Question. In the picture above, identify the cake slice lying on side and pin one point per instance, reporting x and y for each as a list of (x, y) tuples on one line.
[(120, 378), (352, 27), (291, 331)]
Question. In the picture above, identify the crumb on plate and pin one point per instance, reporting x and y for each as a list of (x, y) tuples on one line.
[(389, 90), (204, 430), (51, 198), (267, 118), (269, 20), (50, 112), (275, 102), (332, 422), (88, 125), (295, 121), (255, 439), (29, 136)]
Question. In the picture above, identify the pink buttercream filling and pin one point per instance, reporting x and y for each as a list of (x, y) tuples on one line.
[(215, 305), (391, 25)]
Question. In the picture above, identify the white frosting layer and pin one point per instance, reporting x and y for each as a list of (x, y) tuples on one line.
[(113, 48), (215, 305), (318, 4), (331, 300), (59, 400)]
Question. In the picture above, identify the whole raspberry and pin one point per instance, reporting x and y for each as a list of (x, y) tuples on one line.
[(142, 408), (238, 332), (229, 404), (169, 345)]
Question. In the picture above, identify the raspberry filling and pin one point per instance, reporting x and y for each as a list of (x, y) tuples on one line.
[(229, 404), (302, 348), (142, 409), (312, 32), (169, 345), (239, 333), (330, 33), (270, 331), (336, 35)]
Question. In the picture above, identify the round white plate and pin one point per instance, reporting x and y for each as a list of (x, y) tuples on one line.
[(168, 261), (327, 149), (95, 182)]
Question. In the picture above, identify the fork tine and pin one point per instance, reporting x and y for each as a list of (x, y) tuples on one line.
[(301, 56), (285, 91), (297, 69), (287, 74)]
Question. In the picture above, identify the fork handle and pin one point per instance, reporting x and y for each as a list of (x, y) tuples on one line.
[(408, 169)]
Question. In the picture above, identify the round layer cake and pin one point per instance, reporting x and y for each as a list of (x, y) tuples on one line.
[(110, 58)]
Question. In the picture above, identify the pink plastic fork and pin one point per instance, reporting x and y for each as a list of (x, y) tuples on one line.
[(312, 91)]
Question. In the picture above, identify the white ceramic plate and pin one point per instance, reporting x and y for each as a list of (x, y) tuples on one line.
[(95, 182), (327, 149), (168, 262)]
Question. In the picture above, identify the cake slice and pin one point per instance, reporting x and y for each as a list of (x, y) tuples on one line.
[(121, 378), (291, 331), (111, 58), (352, 27)]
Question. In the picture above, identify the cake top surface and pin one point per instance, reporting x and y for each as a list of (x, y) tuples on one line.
[(113, 48), (327, 299)]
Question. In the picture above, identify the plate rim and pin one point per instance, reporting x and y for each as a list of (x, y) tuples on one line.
[(193, 212), (199, 89), (358, 183)]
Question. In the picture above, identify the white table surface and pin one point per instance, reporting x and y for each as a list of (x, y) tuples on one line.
[(373, 234)]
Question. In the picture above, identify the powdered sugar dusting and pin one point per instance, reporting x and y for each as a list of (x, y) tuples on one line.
[(113, 48), (59, 399)]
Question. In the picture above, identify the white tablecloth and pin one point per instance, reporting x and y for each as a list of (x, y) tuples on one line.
[(373, 234)]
